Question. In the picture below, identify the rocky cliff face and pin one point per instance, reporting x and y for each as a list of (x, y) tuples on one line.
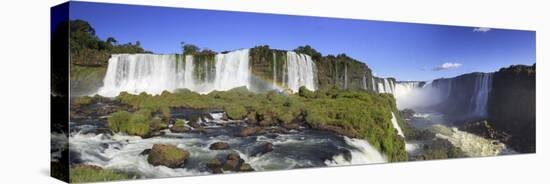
[(505, 98), (512, 105), (340, 71), (459, 97), (344, 72)]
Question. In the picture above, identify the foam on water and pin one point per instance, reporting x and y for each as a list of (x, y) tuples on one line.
[(471, 144), (363, 153)]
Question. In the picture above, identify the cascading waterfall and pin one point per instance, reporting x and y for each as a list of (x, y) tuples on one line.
[(365, 81), (482, 88), (396, 125), (231, 70), (274, 69), (153, 73), (384, 85), (301, 71), (364, 153), (135, 73), (345, 76)]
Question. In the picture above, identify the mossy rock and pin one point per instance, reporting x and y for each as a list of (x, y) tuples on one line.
[(167, 155)]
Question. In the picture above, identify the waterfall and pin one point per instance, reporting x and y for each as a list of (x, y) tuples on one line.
[(384, 85), (374, 87), (364, 153), (466, 95), (232, 70), (396, 125), (135, 73), (345, 76), (154, 73), (409, 94), (301, 71), (482, 87), (274, 69), (365, 81)]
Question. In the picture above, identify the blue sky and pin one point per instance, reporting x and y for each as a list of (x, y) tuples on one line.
[(402, 50)]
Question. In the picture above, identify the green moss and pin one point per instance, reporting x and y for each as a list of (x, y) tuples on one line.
[(157, 124), (132, 124), (179, 122), (80, 174), (235, 111)]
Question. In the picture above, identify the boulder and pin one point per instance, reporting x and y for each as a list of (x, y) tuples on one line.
[(246, 168), (167, 155), (179, 129), (248, 131), (195, 124), (265, 148), (291, 126), (213, 163), (219, 146), (215, 166), (233, 156), (231, 165), (145, 152)]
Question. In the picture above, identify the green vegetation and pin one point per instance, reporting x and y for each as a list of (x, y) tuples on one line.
[(179, 123), (138, 123), (83, 100), (357, 114), (86, 173), (315, 55)]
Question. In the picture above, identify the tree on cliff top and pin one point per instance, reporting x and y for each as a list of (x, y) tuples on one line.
[(315, 55)]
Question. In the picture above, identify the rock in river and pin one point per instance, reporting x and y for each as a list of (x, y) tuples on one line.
[(219, 146), (167, 155)]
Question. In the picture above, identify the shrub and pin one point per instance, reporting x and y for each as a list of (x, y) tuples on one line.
[(132, 124), (235, 111)]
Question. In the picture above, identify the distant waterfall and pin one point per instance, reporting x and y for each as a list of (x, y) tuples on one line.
[(408, 94), (384, 85), (153, 73), (301, 71), (482, 87), (464, 96)]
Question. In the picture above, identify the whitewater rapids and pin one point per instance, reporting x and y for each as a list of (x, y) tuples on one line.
[(297, 149)]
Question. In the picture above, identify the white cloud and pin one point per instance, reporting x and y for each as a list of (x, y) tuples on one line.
[(481, 29), (446, 66)]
